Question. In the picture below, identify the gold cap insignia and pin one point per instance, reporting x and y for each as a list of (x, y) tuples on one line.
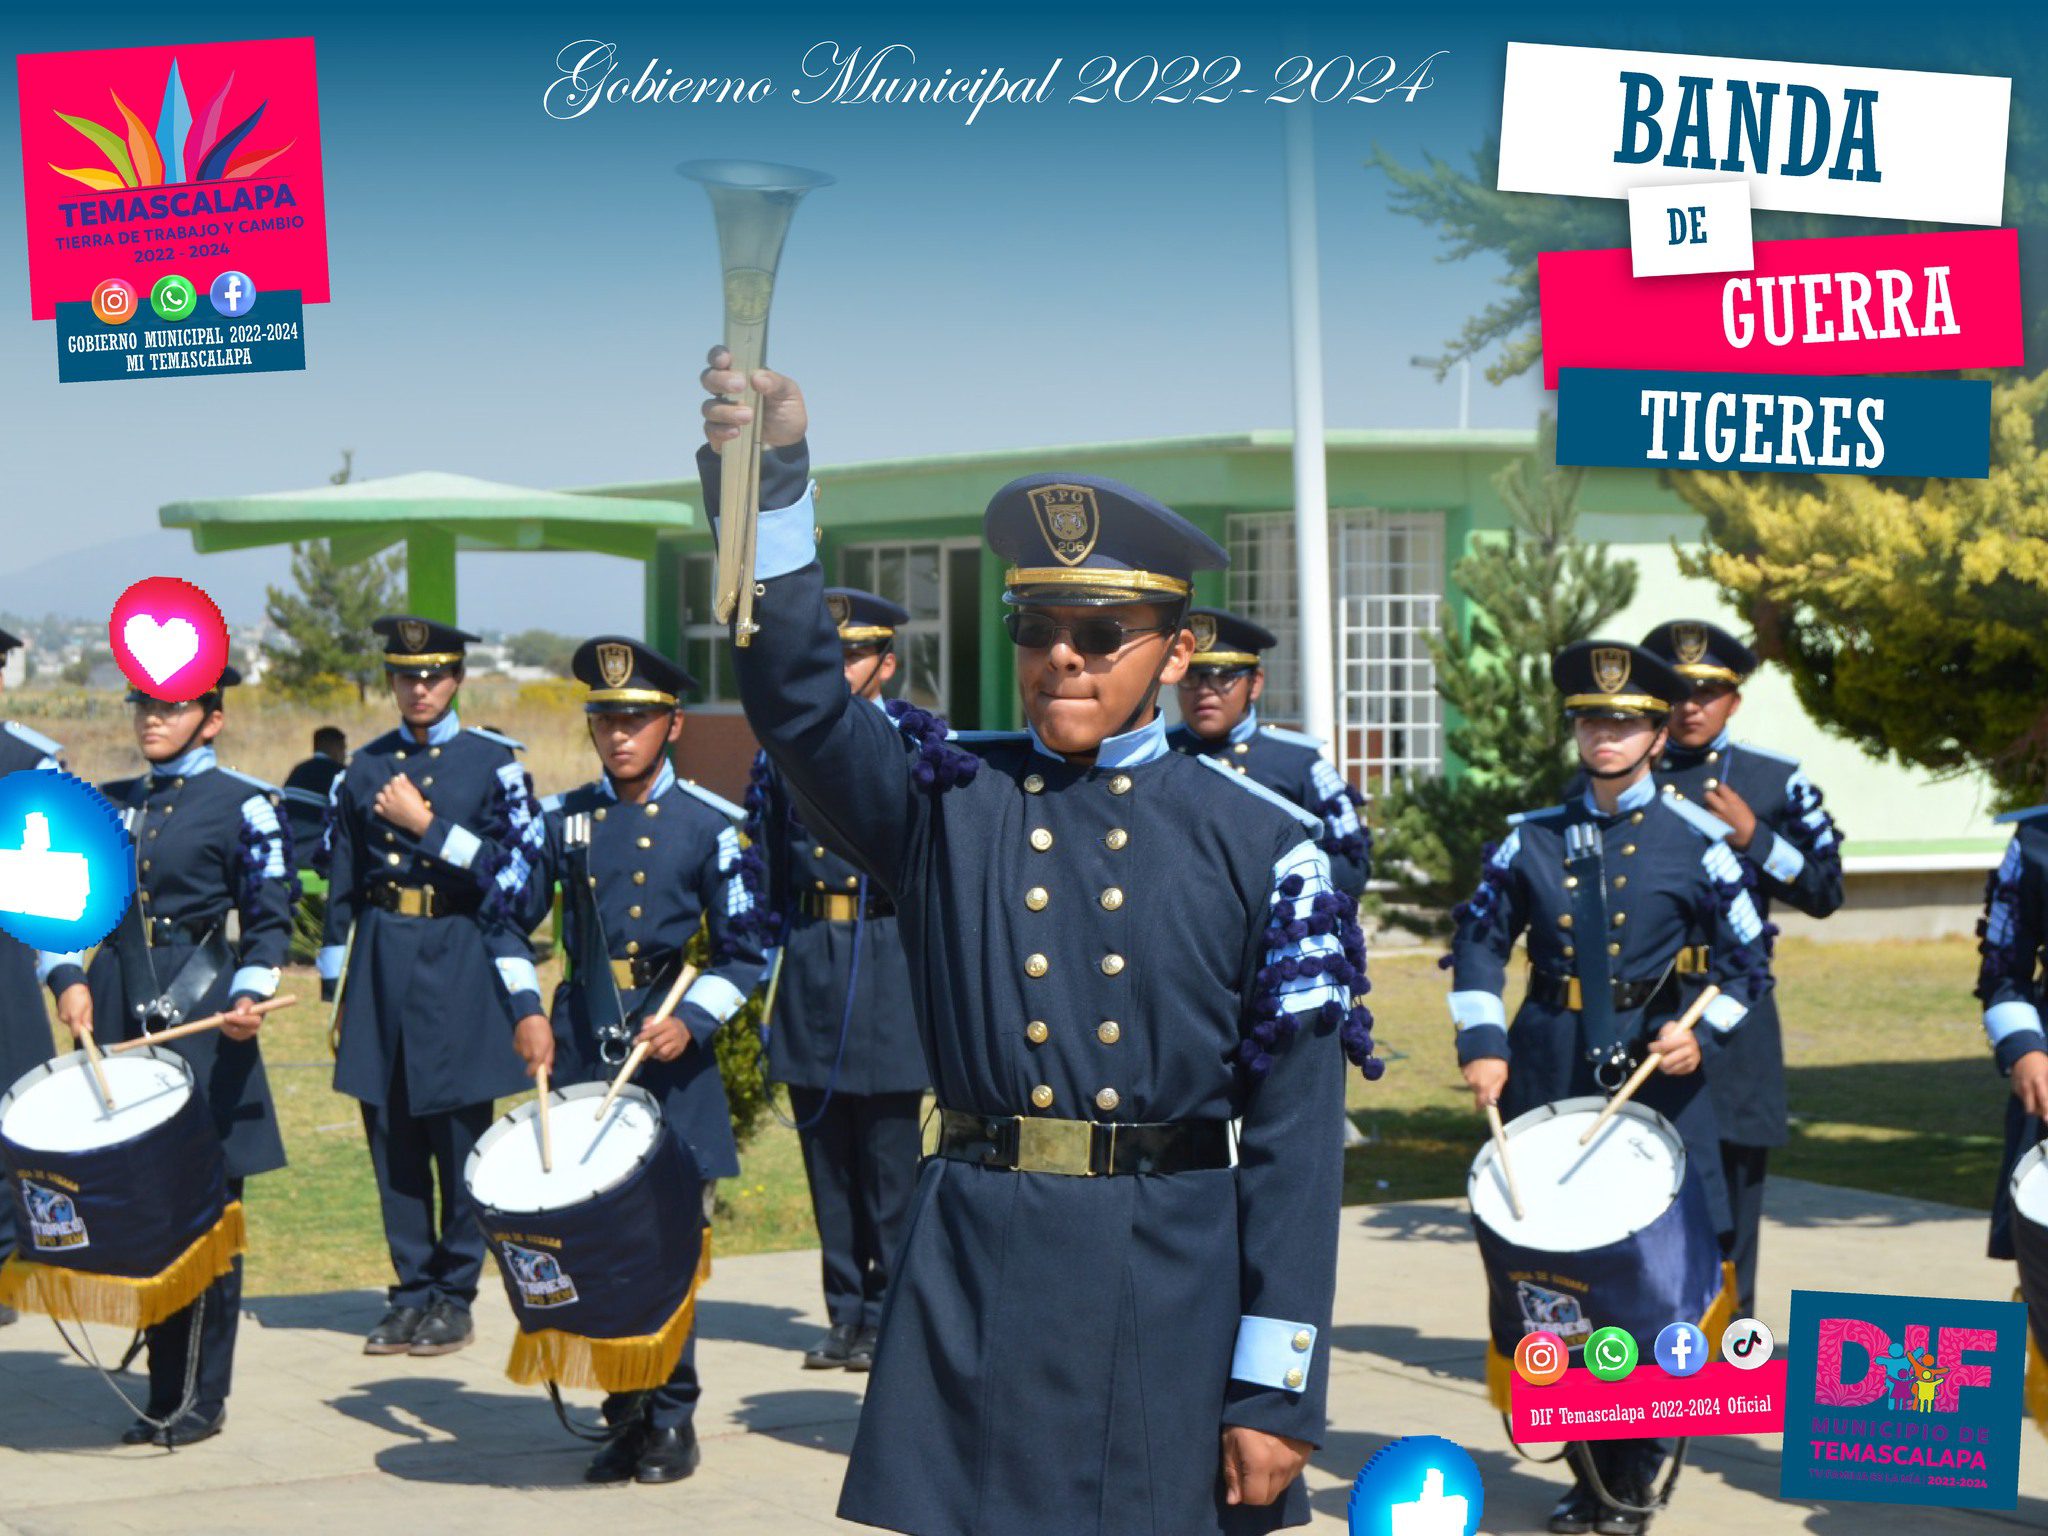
[(840, 607), (1069, 519), (1610, 668), (412, 634), (614, 663), (1689, 641), (1204, 627)]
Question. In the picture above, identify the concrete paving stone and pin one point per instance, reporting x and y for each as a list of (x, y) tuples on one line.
[(323, 1438)]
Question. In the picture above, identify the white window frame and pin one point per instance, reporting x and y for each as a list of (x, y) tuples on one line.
[(939, 625)]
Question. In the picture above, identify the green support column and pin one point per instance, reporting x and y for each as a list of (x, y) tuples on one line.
[(430, 575)]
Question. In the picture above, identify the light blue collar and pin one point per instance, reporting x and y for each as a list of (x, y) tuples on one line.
[(1720, 743), (1144, 745), (664, 781), (186, 765), (1634, 798), (1246, 728), (440, 733)]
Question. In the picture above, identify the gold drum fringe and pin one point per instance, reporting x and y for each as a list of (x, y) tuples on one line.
[(609, 1365), (119, 1300)]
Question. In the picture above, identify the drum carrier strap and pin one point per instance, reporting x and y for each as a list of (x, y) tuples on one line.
[(155, 1005), (1586, 873), (591, 963)]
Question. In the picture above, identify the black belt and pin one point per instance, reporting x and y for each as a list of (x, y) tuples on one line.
[(161, 930), (1040, 1144), (1554, 991), (630, 971), (842, 906), (422, 900)]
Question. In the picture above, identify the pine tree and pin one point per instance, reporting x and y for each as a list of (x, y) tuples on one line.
[(326, 622), (1532, 593)]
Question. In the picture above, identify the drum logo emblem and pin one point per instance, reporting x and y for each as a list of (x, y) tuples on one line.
[(1548, 1311), (1610, 668), (53, 1219), (1069, 519), (540, 1277)]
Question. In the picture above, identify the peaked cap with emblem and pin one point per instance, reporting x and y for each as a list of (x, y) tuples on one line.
[(863, 618), (1614, 680), (625, 674), (1702, 652), (420, 645), (229, 678), (1082, 539), (1227, 640)]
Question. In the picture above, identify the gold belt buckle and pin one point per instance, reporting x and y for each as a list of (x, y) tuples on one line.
[(1046, 1145), (1692, 960), (412, 901), (1574, 995), (622, 975), (838, 908)]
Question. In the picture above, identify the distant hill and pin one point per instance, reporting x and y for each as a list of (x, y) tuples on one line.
[(575, 594)]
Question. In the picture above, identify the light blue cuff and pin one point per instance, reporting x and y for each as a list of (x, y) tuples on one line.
[(48, 960), (459, 847), (329, 961), (1725, 1012), (1273, 1353), (1473, 1008), (258, 981), (785, 538), (517, 976), (716, 996), (1785, 861), (2008, 1018)]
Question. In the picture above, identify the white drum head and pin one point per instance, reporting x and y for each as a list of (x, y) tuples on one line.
[(2030, 1186), (57, 1107), (1576, 1198), (591, 1155)]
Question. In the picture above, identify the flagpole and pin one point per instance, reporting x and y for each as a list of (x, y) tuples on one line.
[(1315, 638)]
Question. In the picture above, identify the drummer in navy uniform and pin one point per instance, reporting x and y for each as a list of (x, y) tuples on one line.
[(209, 842), (1790, 850), (426, 883), (1219, 706), (25, 1039), (643, 860), (2013, 942), (1110, 1310), (1612, 889), (844, 1031)]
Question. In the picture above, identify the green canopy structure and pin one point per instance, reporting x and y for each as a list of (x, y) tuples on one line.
[(433, 515)]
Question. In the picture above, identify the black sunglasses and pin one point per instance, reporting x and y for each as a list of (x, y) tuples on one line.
[(1091, 637), (1222, 679)]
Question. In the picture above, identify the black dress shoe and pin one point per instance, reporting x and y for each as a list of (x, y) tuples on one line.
[(618, 1456), (1575, 1512), (861, 1357), (1615, 1522), (668, 1456), (394, 1331), (832, 1351), (446, 1329), (141, 1432), (194, 1427)]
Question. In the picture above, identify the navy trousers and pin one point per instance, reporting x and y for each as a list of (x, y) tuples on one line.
[(1743, 1168), (860, 1157), (436, 1255), (169, 1344)]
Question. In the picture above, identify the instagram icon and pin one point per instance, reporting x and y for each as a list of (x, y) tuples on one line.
[(114, 302), (1540, 1358)]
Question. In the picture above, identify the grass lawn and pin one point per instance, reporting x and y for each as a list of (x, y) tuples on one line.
[(1891, 1091)]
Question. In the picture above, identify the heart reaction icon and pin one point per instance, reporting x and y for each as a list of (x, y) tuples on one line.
[(168, 639)]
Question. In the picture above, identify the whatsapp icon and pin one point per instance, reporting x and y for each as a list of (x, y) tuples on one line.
[(173, 297), (1611, 1353)]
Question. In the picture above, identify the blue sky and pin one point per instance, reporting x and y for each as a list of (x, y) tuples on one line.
[(526, 299)]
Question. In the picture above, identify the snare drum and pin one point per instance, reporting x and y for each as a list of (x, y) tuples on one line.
[(123, 1215), (1613, 1233), (603, 1254), (2029, 1189)]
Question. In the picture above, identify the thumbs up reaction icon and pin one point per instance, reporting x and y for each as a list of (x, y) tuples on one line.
[(1432, 1513), (67, 864), (38, 883)]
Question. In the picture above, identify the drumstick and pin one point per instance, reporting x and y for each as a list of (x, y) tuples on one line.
[(547, 1140), (1500, 1152), (1641, 1075), (687, 975), (194, 1027), (94, 1060)]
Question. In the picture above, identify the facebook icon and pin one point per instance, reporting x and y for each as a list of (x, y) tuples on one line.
[(232, 294), (1681, 1349)]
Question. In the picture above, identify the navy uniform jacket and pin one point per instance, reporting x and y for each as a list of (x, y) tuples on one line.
[(1291, 763), (1673, 883), (208, 842), (1795, 857), (814, 1009), (432, 993), (305, 791), (25, 1039), (2013, 937), (1144, 939), (662, 869)]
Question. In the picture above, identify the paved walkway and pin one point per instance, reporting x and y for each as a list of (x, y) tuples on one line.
[(323, 1438)]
